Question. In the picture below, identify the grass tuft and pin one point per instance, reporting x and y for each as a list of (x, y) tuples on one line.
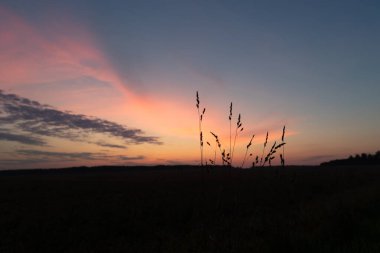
[(227, 158)]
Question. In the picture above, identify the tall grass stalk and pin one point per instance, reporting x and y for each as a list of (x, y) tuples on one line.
[(212, 161), (227, 157), (238, 126), (282, 156), (230, 118), (265, 144), (200, 119), (246, 151), (223, 153), (270, 156)]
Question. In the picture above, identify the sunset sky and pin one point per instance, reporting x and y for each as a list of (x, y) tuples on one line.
[(114, 82)]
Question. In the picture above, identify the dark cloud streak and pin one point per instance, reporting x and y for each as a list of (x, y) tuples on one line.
[(68, 156), (130, 158), (109, 145), (32, 117), (63, 155), (24, 139)]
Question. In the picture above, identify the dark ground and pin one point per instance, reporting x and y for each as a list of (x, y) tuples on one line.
[(186, 209)]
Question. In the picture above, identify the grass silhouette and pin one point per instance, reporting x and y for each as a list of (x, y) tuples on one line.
[(282, 156), (246, 151), (200, 119), (227, 159)]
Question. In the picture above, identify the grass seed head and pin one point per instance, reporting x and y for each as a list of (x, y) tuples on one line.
[(197, 100), (230, 117), (274, 145), (239, 122), (266, 140)]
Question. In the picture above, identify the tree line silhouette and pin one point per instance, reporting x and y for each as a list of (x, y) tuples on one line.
[(363, 159)]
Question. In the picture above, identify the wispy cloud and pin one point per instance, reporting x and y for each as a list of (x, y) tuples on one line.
[(109, 145), (32, 117), (71, 156), (130, 158), (24, 139), (61, 155), (12, 162), (31, 158)]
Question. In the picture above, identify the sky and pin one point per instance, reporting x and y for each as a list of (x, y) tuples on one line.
[(114, 82)]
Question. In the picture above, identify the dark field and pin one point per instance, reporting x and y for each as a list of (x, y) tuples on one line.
[(188, 209)]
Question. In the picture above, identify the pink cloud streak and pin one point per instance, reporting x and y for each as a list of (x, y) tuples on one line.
[(28, 56)]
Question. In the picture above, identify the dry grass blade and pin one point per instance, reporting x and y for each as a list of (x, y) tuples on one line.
[(269, 157), (200, 119), (211, 146), (280, 145), (265, 144), (282, 157), (230, 118), (246, 151), (223, 153), (238, 126)]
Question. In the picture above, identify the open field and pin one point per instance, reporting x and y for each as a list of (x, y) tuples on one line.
[(190, 209)]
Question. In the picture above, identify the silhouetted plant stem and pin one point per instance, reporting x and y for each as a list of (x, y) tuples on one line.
[(282, 157), (246, 151), (200, 119), (270, 156), (227, 157), (212, 161), (223, 153), (230, 118), (238, 125), (265, 144)]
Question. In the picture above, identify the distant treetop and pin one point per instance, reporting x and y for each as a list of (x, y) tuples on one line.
[(363, 159)]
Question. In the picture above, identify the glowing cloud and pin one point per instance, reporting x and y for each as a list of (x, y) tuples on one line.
[(28, 116), (32, 57), (29, 56)]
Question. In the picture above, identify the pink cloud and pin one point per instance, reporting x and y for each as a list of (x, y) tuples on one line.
[(30, 56), (34, 60)]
